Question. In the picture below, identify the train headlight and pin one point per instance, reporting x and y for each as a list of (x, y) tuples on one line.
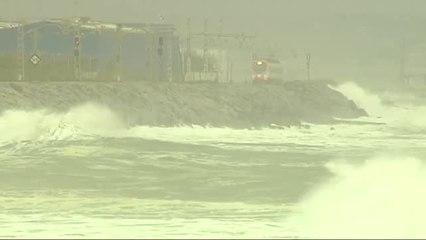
[(259, 63)]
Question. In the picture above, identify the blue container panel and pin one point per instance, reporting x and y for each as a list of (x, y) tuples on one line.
[(139, 52), (8, 40), (51, 41), (102, 47), (134, 55)]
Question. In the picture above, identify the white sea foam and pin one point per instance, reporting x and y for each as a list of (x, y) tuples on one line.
[(381, 198), (87, 119), (410, 118)]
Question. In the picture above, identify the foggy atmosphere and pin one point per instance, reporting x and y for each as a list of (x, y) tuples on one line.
[(212, 119)]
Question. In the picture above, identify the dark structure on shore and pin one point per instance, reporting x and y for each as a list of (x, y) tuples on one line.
[(86, 50)]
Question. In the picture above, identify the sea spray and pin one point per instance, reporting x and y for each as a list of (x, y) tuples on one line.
[(402, 118), (380, 198), (90, 118)]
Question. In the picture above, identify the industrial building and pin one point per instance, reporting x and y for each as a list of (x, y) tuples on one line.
[(86, 50)]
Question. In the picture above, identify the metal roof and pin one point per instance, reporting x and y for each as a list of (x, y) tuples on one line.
[(87, 24), (8, 25)]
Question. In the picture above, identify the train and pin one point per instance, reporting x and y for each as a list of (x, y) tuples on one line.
[(267, 70)]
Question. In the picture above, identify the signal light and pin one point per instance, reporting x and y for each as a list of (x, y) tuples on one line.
[(77, 41)]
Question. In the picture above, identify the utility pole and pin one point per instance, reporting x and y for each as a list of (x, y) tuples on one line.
[(221, 51), (21, 51), (308, 66), (160, 52), (77, 53), (231, 70), (205, 60), (77, 43), (152, 57), (119, 33), (170, 56), (188, 54)]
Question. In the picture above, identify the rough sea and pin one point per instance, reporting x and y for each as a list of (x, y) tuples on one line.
[(84, 175)]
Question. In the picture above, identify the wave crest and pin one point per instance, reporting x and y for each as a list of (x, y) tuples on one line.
[(80, 121), (401, 116), (382, 198)]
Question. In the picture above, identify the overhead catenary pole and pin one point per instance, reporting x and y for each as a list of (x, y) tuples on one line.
[(79, 36), (231, 72), (161, 58), (119, 40), (77, 43), (221, 51), (77, 52), (205, 60), (169, 48), (152, 57), (308, 66), (228, 68), (21, 51), (188, 54), (241, 38)]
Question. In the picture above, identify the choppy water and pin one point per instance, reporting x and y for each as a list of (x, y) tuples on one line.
[(83, 175)]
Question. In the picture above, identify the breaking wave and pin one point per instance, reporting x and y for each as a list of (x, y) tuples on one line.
[(382, 198), (401, 117), (91, 121), (85, 120), (94, 120)]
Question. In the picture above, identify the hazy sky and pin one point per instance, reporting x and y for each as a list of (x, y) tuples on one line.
[(245, 9), (265, 17)]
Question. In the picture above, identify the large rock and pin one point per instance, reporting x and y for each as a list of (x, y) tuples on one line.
[(170, 104)]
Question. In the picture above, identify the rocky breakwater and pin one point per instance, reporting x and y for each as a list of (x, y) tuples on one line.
[(205, 104)]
